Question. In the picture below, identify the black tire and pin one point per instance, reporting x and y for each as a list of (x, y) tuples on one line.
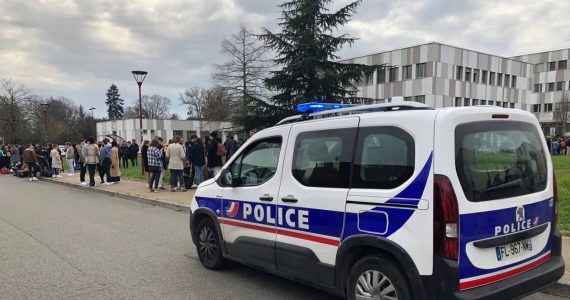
[(208, 245), (388, 268)]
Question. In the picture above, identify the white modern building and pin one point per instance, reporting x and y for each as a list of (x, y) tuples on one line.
[(442, 75), (130, 129)]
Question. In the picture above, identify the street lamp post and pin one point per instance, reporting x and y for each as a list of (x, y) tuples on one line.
[(93, 120), (45, 108), (139, 78)]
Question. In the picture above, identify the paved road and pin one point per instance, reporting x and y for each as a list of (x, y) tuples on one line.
[(59, 242)]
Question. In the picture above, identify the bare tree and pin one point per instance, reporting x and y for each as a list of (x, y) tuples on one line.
[(562, 113), (13, 96), (218, 105), (154, 107), (195, 98), (242, 75)]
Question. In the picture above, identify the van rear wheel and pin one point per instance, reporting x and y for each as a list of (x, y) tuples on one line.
[(377, 277), (208, 246)]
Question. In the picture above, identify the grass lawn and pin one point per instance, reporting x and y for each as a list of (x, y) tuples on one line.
[(134, 173), (562, 170)]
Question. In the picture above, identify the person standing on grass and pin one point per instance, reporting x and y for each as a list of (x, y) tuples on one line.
[(134, 152), (154, 161), (198, 159), (176, 156), (115, 165), (30, 159), (55, 156), (91, 156), (100, 169), (82, 165), (69, 157), (161, 147), (124, 154), (144, 158)]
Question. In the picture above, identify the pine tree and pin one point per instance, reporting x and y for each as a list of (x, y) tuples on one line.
[(306, 50), (114, 103)]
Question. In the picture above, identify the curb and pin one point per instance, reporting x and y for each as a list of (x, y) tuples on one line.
[(153, 202)]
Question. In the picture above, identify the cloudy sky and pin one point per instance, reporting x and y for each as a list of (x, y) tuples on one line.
[(76, 49)]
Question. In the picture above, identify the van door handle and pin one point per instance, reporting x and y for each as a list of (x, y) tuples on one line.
[(289, 199), (266, 198)]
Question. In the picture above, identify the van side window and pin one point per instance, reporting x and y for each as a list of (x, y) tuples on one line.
[(323, 158), (258, 163), (384, 158)]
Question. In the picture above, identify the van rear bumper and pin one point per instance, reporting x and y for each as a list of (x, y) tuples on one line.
[(444, 284)]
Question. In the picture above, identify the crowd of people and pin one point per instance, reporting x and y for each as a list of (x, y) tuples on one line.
[(189, 162), (558, 145)]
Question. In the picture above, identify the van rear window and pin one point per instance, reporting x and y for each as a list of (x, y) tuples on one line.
[(496, 160)]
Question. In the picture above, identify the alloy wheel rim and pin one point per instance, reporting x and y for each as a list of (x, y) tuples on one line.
[(374, 285), (207, 244)]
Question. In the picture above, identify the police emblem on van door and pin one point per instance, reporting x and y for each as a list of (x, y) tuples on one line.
[(520, 214), (232, 209)]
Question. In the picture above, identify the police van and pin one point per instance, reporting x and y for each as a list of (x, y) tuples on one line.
[(389, 201)]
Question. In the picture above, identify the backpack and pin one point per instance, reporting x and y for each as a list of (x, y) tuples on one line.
[(221, 151)]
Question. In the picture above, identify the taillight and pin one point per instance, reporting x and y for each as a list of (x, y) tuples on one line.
[(554, 203), (446, 219)]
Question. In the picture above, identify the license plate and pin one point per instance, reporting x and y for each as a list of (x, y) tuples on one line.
[(513, 250)]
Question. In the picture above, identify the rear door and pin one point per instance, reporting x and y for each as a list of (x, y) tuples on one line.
[(502, 177), (312, 197)]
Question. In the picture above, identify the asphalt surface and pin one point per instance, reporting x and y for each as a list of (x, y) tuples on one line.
[(58, 242)]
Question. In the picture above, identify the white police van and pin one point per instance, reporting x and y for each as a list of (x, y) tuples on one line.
[(389, 201)]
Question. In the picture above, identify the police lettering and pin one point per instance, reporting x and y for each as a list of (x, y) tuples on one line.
[(513, 227), (290, 217)]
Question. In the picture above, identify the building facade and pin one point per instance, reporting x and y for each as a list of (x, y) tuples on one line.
[(442, 76), (130, 129)]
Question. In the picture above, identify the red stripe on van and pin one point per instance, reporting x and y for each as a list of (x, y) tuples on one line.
[(280, 231), (497, 277)]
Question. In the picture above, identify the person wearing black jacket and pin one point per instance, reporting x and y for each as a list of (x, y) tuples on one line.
[(134, 152), (214, 160), (197, 156)]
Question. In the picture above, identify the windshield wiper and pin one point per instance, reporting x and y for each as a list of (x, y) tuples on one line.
[(502, 186)]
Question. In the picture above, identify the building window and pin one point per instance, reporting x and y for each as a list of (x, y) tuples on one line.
[(491, 103), (484, 77), (421, 99), (512, 105), (548, 107), (466, 102), (536, 108), (552, 66), (381, 78), (507, 80), (421, 70), (406, 72), (368, 79), (459, 73), (145, 131), (560, 85), (483, 102), (562, 65), (476, 76), (499, 79), (492, 78), (505, 104), (392, 74), (467, 74), (407, 98), (498, 103), (551, 86), (514, 81), (538, 88), (457, 101), (475, 102)]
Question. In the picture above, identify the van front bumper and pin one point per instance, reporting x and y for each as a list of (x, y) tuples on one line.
[(444, 284)]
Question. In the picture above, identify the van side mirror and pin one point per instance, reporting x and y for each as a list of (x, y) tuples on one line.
[(226, 178)]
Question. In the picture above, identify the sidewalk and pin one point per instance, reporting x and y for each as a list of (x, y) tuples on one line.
[(132, 190), (137, 191)]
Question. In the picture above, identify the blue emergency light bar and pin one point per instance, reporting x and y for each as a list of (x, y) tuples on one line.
[(311, 107)]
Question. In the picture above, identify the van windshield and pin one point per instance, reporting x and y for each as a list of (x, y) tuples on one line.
[(496, 160)]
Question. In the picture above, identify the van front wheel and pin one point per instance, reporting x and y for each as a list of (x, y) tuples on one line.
[(377, 277), (208, 245)]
